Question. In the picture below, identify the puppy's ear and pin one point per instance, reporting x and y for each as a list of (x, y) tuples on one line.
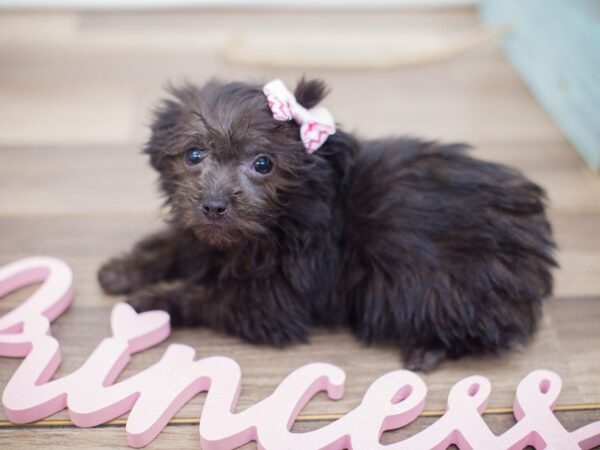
[(168, 116), (310, 92)]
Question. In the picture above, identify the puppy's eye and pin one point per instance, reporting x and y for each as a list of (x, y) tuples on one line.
[(262, 165), (193, 156)]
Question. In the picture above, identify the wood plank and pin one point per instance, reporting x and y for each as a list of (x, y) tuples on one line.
[(90, 179), (83, 111), (578, 254), (88, 79), (186, 436), (577, 331), (101, 103), (81, 329), (69, 180), (86, 241)]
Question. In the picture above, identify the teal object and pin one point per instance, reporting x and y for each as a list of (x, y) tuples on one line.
[(555, 46)]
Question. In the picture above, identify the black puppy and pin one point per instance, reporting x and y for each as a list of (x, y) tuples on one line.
[(404, 240)]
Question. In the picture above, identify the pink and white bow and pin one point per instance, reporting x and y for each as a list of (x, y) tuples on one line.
[(316, 124)]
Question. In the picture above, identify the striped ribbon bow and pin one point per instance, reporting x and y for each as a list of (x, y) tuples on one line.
[(316, 124)]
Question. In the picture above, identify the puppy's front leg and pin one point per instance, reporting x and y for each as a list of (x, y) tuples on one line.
[(236, 309), (147, 263), (182, 300)]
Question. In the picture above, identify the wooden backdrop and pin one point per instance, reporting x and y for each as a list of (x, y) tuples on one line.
[(75, 94)]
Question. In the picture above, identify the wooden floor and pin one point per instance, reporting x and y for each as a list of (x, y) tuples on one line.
[(75, 95)]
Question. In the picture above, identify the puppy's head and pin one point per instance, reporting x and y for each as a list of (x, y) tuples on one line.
[(228, 169)]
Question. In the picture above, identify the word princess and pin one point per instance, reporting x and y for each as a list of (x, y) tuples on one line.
[(153, 396)]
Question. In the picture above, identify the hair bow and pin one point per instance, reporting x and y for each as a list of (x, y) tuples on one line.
[(316, 124)]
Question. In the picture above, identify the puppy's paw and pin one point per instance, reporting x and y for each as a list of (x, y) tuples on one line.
[(114, 277), (148, 299), (164, 296), (423, 360)]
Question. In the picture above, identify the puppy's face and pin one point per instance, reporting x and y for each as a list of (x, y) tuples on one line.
[(227, 167)]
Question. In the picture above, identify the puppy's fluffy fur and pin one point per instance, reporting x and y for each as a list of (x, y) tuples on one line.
[(402, 239)]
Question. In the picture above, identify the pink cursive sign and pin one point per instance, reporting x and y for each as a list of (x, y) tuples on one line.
[(154, 395)]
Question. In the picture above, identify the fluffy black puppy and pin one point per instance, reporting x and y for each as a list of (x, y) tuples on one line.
[(404, 240)]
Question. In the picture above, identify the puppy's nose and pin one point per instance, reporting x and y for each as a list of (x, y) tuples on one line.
[(214, 207)]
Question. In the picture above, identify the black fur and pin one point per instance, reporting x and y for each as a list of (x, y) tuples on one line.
[(404, 240)]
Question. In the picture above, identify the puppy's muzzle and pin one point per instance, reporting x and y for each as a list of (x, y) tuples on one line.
[(215, 207)]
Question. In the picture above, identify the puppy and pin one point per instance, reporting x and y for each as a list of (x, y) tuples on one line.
[(403, 240)]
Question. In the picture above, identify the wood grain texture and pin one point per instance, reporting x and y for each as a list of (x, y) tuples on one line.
[(76, 92), (85, 241), (186, 436), (574, 355), (83, 179)]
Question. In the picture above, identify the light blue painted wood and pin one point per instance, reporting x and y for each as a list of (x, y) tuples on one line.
[(555, 45)]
